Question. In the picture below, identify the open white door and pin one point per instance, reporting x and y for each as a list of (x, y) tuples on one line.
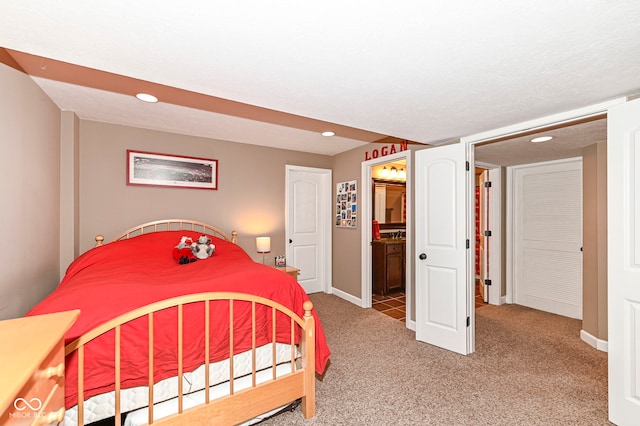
[(623, 224), (442, 297), (483, 222)]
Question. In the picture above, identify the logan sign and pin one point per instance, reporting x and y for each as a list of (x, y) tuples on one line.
[(385, 150)]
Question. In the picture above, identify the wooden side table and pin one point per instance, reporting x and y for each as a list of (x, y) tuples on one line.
[(289, 270)]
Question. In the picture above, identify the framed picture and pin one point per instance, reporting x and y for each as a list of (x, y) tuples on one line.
[(346, 204), (151, 168)]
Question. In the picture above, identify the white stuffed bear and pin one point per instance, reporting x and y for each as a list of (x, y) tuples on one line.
[(203, 248)]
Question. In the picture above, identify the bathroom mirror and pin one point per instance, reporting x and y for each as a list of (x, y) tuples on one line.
[(389, 203)]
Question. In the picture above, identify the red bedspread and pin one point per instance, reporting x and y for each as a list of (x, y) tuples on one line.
[(108, 281)]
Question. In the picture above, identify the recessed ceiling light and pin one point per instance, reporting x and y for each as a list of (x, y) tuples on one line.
[(328, 133), (145, 97), (541, 139)]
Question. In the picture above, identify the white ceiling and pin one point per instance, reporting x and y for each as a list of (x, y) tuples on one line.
[(567, 142), (423, 70)]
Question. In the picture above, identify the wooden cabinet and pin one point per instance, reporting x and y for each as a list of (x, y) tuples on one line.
[(388, 266), (32, 368)]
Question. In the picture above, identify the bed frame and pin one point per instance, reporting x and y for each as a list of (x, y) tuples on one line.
[(171, 225), (238, 406)]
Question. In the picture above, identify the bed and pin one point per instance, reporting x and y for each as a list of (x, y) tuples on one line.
[(223, 339)]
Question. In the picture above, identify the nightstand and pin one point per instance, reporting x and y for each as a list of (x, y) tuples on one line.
[(289, 270)]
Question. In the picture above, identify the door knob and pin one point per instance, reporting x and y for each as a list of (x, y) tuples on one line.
[(422, 256), (290, 240)]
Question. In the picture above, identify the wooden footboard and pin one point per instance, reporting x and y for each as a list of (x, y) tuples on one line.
[(240, 405)]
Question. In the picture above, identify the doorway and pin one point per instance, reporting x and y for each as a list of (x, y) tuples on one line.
[(388, 245), (608, 303), (397, 227), (482, 234), (488, 263), (518, 152), (620, 139)]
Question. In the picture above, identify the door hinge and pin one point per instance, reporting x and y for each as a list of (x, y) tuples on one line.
[(467, 243), (487, 282), (487, 233), (487, 184), (467, 165), (468, 321)]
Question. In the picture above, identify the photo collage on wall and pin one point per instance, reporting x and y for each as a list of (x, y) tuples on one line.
[(346, 205)]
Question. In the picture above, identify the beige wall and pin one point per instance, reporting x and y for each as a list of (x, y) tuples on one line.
[(250, 197), (29, 189), (346, 241), (594, 263)]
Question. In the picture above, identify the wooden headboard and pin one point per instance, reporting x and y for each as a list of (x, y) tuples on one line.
[(171, 225)]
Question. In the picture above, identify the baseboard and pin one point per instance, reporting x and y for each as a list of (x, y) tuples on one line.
[(411, 325), (599, 344), (501, 301), (346, 296)]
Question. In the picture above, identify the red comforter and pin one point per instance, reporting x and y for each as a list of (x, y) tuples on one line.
[(108, 281)]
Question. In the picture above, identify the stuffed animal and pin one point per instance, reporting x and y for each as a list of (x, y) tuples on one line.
[(183, 253), (203, 248)]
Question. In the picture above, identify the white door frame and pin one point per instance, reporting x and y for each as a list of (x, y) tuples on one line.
[(366, 291), (325, 202), (495, 226)]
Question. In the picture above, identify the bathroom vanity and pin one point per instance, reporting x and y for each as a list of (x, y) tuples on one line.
[(388, 265)]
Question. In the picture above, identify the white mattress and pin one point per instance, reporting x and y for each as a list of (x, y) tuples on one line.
[(102, 406)]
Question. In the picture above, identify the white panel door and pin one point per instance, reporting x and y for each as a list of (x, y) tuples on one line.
[(306, 227), (548, 237), (442, 302), (623, 224)]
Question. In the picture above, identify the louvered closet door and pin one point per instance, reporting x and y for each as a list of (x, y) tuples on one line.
[(548, 237)]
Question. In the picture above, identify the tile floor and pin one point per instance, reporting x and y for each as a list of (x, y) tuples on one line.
[(394, 304)]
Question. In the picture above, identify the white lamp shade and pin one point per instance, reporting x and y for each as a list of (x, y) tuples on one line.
[(263, 244)]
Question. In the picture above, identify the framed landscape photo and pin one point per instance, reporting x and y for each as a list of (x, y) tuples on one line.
[(151, 168)]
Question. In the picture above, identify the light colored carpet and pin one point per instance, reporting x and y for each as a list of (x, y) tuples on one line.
[(529, 368)]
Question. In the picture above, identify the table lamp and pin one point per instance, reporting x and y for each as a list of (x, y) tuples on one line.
[(263, 245)]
